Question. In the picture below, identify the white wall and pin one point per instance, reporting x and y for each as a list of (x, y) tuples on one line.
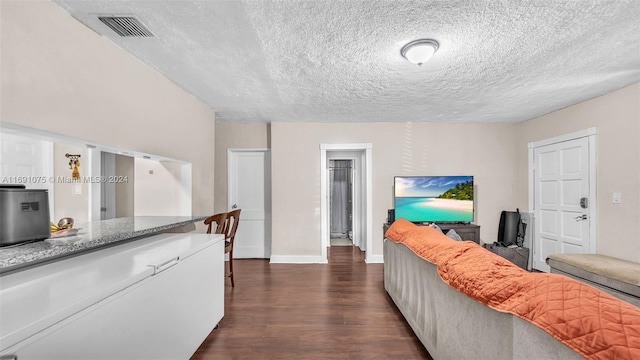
[(61, 77), (617, 117), (157, 188), (483, 150), (71, 199)]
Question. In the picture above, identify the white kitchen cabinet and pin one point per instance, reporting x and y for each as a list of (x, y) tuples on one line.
[(154, 298)]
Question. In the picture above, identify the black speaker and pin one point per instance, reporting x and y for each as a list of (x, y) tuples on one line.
[(391, 216), (508, 228)]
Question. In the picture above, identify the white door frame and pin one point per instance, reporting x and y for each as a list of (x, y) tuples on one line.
[(591, 134), (324, 200)]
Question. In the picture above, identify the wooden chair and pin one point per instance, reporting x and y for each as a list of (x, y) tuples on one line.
[(233, 218), (221, 222)]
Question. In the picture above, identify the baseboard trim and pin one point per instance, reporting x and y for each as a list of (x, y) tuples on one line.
[(249, 252), (375, 259), (297, 259)]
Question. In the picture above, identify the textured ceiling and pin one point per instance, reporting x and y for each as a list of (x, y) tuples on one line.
[(339, 61)]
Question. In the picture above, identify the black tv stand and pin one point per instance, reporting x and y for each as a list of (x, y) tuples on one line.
[(467, 231)]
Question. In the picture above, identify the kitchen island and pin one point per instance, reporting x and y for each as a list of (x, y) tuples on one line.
[(91, 236), (133, 293)]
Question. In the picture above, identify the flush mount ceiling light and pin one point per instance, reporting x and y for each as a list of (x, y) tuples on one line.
[(419, 51)]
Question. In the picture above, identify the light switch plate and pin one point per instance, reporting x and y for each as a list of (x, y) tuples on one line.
[(617, 198)]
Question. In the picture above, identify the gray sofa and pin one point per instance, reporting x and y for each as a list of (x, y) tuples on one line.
[(453, 326)]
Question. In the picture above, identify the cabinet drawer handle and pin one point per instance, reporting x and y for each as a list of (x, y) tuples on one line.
[(165, 265), (9, 357)]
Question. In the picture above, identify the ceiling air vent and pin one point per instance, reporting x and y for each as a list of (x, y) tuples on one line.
[(126, 26)]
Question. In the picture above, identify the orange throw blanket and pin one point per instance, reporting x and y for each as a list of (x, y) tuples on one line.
[(593, 323)]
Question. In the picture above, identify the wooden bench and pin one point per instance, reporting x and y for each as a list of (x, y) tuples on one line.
[(617, 277)]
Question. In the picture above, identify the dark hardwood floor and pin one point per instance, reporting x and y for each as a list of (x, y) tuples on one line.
[(311, 311)]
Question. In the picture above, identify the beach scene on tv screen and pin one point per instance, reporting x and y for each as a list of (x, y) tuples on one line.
[(434, 198)]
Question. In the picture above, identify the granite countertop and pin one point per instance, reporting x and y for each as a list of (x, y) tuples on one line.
[(91, 236)]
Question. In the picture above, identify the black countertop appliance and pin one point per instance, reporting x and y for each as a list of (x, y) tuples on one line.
[(24, 214)]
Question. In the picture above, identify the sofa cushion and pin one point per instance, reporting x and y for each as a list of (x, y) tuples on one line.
[(454, 235)]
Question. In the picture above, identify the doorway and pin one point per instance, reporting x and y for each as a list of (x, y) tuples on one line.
[(341, 202), (562, 195), (360, 157)]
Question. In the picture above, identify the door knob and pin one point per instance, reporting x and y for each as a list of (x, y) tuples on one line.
[(581, 217), (235, 206)]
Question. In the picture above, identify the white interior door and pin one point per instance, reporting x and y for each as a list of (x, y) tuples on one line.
[(562, 203), (250, 190)]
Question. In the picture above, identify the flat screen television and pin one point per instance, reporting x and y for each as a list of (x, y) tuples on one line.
[(434, 198)]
